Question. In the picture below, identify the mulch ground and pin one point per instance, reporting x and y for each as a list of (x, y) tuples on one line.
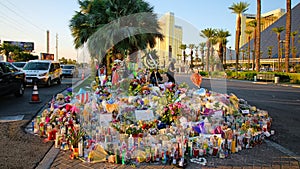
[(18, 148)]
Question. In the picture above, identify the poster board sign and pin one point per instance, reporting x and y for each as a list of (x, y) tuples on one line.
[(105, 119), (144, 114)]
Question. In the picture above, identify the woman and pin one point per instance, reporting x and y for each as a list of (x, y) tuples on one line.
[(155, 77)]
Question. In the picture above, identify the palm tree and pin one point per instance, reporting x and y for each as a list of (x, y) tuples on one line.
[(249, 33), (213, 59), (202, 46), (253, 24), (183, 47), (270, 51), (191, 46), (258, 30), (294, 50), (287, 34), (208, 33), (221, 36), (115, 25), (225, 41), (278, 30), (239, 9)]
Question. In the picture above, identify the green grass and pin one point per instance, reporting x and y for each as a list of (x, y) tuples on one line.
[(86, 83)]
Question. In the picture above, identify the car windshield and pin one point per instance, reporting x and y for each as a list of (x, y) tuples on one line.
[(36, 66), (19, 64), (68, 67)]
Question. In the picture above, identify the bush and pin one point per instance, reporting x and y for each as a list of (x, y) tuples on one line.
[(294, 78), (203, 73)]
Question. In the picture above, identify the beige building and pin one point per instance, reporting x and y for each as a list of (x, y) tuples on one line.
[(266, 19), (169, 47)]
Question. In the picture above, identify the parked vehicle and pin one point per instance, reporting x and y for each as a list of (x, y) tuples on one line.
[(69, 70), (43, 72), (11, 80), (19, 65)]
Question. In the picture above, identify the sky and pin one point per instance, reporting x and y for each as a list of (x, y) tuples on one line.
[(28, 20)]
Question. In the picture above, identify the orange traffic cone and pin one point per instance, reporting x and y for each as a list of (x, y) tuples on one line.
[(35, 95)]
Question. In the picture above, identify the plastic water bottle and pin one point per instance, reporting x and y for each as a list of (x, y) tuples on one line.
[(130, 142)]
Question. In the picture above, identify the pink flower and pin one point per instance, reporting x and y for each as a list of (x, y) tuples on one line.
[(172, 112)]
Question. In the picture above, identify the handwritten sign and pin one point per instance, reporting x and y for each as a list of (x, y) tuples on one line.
[(245, 111), (144, 114), (104, 119), (218, 114)]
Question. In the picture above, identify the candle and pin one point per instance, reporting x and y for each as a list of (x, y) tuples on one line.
[(233, 146)]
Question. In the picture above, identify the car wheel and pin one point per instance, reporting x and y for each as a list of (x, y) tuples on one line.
[(21, 90), (48, 82), (59, 80)]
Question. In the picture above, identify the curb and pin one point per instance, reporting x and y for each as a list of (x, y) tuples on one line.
[(48, 158)]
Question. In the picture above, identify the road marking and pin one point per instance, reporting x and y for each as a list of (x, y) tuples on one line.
[(260, 82), (11, 118), (282, 149)]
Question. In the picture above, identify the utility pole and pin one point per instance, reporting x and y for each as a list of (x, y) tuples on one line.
[(47, 42), (56, 47)]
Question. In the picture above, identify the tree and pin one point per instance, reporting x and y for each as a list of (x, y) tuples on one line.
[(221, 35), (225, 41), (278, 31), (202, 46), (270, 51), (287, 34), (253, 24), (294, 50), (191, 46), (249, 33), (183, 47), (208, 33), (258, 31), (115, 26), (239, 9)]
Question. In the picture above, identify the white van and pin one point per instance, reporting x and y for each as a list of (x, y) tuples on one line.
[(42, 72)]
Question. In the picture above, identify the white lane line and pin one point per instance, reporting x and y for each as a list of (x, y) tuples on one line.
[(282, 149), (11, 118)]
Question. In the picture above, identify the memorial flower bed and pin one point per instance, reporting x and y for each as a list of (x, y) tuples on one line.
[(137, 122)]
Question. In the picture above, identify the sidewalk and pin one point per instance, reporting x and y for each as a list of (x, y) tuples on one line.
[(262, 156)]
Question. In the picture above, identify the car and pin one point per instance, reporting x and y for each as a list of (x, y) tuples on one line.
[(19, 65), (12, 80), (43, 72), (69, 70)]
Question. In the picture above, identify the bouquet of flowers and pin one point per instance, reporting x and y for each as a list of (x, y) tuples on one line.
[(171, 112)]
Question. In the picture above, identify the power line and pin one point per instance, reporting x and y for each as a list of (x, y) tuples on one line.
[(22, 17)]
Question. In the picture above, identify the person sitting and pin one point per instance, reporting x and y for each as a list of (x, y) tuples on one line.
[(155, 77)]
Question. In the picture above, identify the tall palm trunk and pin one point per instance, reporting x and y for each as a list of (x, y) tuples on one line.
[(224, 55), (293, 34), (237, 41), (207, 54), (287, 34), (249, 37), (258, 30), (279, 53)]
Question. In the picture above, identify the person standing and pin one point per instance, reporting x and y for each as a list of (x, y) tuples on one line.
[(171, 71)]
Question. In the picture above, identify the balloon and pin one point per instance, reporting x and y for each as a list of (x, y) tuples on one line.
[(196, 78), (200, 92)]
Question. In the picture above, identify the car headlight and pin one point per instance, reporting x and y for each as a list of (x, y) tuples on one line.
[(43, 74)]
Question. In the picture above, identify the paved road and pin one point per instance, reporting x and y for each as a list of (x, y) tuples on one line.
[(19, 108)]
